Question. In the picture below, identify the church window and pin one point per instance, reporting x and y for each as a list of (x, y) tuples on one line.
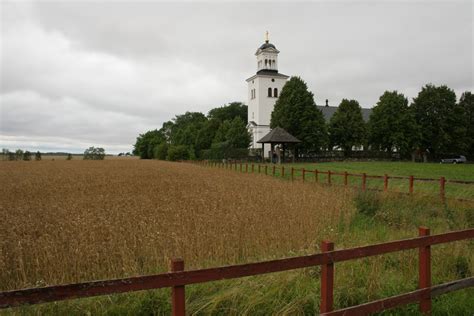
[(266, 62), (275, 93), (270, 92)]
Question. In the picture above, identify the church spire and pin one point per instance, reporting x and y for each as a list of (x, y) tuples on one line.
[(266, 37)]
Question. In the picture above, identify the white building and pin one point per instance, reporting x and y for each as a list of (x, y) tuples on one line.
[(263, 91)]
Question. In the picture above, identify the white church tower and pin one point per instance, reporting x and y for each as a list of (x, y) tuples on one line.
[(263, 91)]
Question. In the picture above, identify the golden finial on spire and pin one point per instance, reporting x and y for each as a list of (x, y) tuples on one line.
[(266, 37)]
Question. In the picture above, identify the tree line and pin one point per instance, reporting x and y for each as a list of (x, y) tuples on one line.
[(432, 125), (221, 134), (92, 153)]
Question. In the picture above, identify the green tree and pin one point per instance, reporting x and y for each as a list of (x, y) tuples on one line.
[(38, 156), (234, 133), (178, 152), (467, 103), (433, 109), (18, 154), (5, 153), (161, 151), (146, 143), (206, 135), (238, 135), (392, 125), (69, 157), (347, 127), (296, 112), (185, 128), (94, 153), (229, 112), (27, 156)]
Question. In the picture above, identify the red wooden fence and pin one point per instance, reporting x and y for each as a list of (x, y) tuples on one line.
[(363, 186), (178, 278)]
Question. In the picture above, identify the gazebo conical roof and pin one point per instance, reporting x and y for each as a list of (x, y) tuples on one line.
[(278, 136)]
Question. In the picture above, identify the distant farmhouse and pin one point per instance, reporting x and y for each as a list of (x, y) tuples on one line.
[(263, 91)]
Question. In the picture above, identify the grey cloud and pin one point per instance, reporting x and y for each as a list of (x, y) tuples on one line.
[(105, 71)]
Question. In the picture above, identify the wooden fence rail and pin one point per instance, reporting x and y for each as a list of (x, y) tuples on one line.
[(178, 277), (363, 176)]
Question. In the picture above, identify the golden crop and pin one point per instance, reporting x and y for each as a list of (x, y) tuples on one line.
[(70, 221)]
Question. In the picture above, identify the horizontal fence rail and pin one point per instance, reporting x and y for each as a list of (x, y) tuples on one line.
[(178, 277), (244, 167)]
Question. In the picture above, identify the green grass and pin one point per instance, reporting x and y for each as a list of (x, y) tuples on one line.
[(464, 172)]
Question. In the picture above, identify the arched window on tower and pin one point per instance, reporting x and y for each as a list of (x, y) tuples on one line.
[(269, 92), (275, 93), (266, 62)]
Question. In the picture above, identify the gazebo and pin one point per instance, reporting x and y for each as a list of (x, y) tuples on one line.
[(277, 136)]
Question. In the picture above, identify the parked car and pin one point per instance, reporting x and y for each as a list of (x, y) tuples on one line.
[(455, 160)]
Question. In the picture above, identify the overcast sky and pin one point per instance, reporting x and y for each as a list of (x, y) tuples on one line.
[(98, 73)]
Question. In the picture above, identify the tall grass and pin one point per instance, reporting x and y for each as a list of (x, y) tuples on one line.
[(71, 221)]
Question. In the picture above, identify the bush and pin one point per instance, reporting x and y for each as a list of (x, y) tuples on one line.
[(38, 156), (223, 150), (160, 151), (180, 152), (69, 157), (93, 153), (367, 203)]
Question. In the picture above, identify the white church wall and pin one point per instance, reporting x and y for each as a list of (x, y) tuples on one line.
[(266, 103)]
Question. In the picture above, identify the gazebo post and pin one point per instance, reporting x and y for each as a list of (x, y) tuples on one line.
[(283, 155), (263, 152), (272, 151)]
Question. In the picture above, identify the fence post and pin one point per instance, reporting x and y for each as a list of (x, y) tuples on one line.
[(259, 168), (292, 173), (425, 272), (177, 293), (252, 168), (316, 175), (273, 171), (385, 182), (246, 168), (265, 169), (442, 193), (327, 280), (303, 171), (329, 177), (345, 178), (364, 181), (282, 171), (411, 184)]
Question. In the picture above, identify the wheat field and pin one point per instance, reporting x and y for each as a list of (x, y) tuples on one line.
[(69, 221), (72, 221)]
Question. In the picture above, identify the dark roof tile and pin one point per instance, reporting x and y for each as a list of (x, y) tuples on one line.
[(279, 135)]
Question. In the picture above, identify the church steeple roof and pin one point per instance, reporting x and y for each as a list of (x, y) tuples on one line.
[(267, 44)]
